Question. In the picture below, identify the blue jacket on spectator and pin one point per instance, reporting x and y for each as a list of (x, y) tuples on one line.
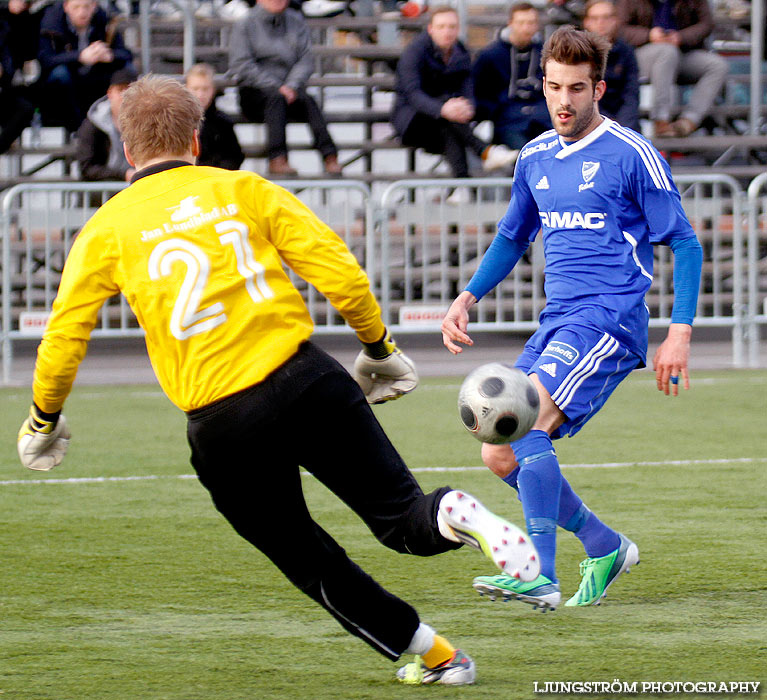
[(424, 82), (59, 42), (508, 90), (621, 99)]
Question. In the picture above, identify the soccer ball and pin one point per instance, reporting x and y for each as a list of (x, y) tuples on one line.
[(498, 403)]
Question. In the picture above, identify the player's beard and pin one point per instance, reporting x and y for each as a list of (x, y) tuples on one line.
[(577, 125)]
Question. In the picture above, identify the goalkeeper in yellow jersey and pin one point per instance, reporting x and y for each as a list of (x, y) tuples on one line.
[(198, 253)]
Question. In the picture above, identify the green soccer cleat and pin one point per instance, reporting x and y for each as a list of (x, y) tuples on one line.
[(542, 593), (510, 548), (599, 573), (460, 670)]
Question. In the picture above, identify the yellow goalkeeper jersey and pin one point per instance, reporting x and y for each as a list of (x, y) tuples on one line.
[(198, 253)]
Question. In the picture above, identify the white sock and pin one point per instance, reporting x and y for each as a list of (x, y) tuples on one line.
[(422, 640)]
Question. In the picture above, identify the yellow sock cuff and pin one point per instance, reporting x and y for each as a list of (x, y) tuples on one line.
[(440, 652)]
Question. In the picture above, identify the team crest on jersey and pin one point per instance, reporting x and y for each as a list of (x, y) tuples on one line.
[(588, 170), (562, 351), (185, 209)]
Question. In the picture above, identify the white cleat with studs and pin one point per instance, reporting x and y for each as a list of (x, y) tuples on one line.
[(510, 548)]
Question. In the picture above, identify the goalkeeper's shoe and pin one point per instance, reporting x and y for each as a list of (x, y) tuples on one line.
[(542, 593), (509, 547), (460, 670), (599, 573)]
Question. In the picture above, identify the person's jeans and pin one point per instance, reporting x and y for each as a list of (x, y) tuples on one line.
[(665, 66), (271, 108)]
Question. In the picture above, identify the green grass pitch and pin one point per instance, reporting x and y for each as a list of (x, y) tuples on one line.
[(139, 590)]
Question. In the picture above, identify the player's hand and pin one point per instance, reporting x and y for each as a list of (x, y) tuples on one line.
[(671, 359), (383, 371), (456, 322), (42, 443)]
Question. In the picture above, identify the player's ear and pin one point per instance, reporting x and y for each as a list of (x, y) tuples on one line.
[(196, 144), (128, 156), (599, 90)]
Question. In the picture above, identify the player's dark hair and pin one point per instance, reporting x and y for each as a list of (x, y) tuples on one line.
[(521, 7), (571, 47), (158, 118)]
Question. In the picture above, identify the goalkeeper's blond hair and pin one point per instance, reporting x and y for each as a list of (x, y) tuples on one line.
[(158, 118)]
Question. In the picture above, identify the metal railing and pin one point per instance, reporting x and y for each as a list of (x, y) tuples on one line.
[(756, 314), (420, 242)]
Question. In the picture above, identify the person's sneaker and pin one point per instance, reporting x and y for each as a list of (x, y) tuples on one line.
[(542, 593), (510, 548), (459, 196), (599, 573), (460, 670), (497, 157)]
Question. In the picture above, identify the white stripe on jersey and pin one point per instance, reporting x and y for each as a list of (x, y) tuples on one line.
[(647, 154), (540, 137), (605, 347), (633, 242), (649, 150)]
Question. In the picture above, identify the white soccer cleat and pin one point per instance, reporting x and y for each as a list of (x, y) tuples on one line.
[(510, 548), (497, 157)]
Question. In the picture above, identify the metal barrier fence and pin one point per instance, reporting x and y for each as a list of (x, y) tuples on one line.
[(430, 247), (40, 222), (420, 244), (757, 264)]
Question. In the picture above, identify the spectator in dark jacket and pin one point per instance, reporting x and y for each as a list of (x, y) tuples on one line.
[(434, 107), (621, 99), (219, 146), (15, 111), (79, 50), (24, 31), (669, 38), (508, 80), (99, 145)]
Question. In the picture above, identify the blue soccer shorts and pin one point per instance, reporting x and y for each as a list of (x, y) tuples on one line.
[(580, 367)]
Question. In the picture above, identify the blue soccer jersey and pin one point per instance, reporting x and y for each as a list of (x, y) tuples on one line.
[(601, 203)]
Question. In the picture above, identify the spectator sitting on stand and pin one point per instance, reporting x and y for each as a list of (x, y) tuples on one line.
[(669, 38), (271, 59), (99, 144), (433, 107), (621, 99), (15, 111), (80, 48), (219, 146), (508, 80)]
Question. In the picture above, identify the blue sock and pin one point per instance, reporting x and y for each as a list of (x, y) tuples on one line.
[(539, 486), (598, 539)]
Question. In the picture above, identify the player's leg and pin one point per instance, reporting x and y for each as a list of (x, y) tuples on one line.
[(241, 449), (575, 371), (368, 474), (530, 465), (580, 368)]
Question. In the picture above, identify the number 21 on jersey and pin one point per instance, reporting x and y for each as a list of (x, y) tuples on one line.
[(188, 318)]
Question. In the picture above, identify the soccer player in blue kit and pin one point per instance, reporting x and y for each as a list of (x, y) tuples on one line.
[(602, 197)]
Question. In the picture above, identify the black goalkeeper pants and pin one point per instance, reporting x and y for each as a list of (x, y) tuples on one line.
[(247, 450)]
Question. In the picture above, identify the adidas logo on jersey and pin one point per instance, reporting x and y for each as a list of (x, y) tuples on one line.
[(550, 368), (543, 183)]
